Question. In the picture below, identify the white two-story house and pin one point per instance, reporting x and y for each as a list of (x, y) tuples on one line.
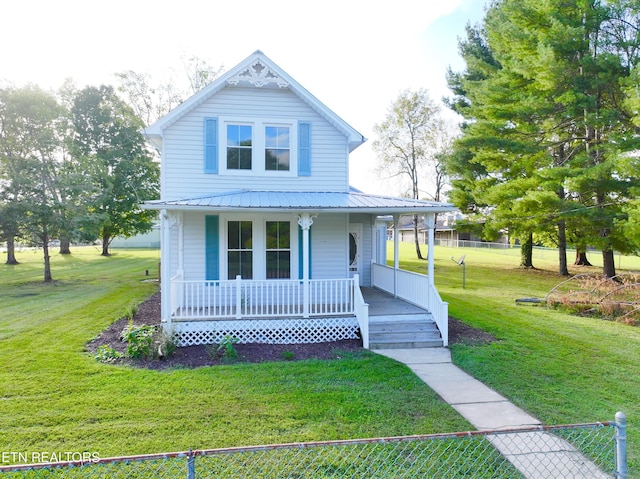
[(263, 239)]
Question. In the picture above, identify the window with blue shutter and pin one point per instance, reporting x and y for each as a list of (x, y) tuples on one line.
[(211, 145), (304, 148), (212, 248)]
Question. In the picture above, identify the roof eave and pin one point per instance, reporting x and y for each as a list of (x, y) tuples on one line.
[(313, 210)]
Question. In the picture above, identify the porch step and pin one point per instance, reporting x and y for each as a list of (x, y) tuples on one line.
[(404, 331)]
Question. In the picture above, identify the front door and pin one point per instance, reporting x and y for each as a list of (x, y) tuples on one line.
[(355, 250)]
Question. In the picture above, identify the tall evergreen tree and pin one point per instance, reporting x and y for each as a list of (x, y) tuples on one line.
[(554, 118)]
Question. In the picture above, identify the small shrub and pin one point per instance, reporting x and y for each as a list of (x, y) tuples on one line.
[(106, 354), (139, 340), (226, 349), (131, 312), (163, 344), (288, 355)]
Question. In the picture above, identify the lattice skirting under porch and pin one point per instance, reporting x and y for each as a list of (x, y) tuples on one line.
[(271, 331)]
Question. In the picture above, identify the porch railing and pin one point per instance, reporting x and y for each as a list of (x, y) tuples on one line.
[(414, 288), (239, 298)]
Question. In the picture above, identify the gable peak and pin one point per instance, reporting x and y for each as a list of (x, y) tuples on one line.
[(258, 73)]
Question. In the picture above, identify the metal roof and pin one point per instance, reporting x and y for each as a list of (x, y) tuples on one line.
[(349, 202)]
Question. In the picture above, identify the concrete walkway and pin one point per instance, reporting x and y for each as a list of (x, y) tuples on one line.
[(534, 454)]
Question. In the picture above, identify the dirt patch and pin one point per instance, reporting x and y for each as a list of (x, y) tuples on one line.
[(148, 312)]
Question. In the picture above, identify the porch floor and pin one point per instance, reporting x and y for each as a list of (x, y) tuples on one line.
[(382, 303)]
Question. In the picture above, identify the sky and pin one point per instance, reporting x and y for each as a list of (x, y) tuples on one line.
[(355, 56)]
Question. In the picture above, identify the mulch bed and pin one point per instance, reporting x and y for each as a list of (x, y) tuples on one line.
[(148, 312)]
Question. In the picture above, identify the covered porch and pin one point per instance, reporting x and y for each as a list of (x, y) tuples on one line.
[(316, 299), (298, 311)]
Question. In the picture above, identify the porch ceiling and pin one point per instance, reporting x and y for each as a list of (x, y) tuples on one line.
[(270, 201)]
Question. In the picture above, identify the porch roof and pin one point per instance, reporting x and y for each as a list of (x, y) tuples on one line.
[(309, 202)]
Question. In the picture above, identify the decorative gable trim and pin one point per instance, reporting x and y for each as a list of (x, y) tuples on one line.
[(246, 72), (258, 74)]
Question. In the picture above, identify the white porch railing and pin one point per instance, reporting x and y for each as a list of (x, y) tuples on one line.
[(238, 299), (414, 288)]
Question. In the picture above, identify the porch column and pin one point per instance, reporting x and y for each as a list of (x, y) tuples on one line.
[(431, 226), (305, 220), (179, 219), (396, 253), (165, 280)]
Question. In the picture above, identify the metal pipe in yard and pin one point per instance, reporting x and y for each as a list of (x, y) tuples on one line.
[(621, 446)]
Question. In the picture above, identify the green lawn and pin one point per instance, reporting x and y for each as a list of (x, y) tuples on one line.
[(55, 397), (560, 368)]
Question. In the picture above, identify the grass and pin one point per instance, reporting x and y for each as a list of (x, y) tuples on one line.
[(54, 396), (560, 368)]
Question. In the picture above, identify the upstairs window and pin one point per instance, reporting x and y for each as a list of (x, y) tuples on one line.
[(268, 147), (239, 147), (277, 148)]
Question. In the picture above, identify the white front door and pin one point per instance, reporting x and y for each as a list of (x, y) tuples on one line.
[(355, 249)]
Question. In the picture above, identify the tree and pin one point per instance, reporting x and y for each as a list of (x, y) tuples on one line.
[(151, 99), (30, 149), (408, 141), (553, 110), (111, 150)]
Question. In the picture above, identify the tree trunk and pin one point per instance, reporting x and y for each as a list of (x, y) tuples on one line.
[(47, 261), (106, 239), (563, 270), (581, 258), (415, 236), (526, 252), (65, 245), (608, 264), (11, 250)]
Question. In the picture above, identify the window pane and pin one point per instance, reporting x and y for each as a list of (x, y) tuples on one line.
[(234, 264), (239, 144), (277, 148), (244, 135), (239, 135), (278, 264), (246, 264), (233, 158), (245, 232), (245, 159), (277, 160), (233, 235), (277, 137), (284, 238)]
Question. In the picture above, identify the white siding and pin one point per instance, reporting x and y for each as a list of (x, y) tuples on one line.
[(183, 151), (330, 246), (194, 246), (367, 245)]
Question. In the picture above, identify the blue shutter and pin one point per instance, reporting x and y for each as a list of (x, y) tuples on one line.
[(212, 247), (211, 145), (304, 148), (300, 259)]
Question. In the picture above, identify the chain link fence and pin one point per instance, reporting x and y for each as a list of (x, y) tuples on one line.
[(595, 450)]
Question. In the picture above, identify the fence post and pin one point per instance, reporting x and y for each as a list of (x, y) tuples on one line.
[(191, 465), (621, 445)]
